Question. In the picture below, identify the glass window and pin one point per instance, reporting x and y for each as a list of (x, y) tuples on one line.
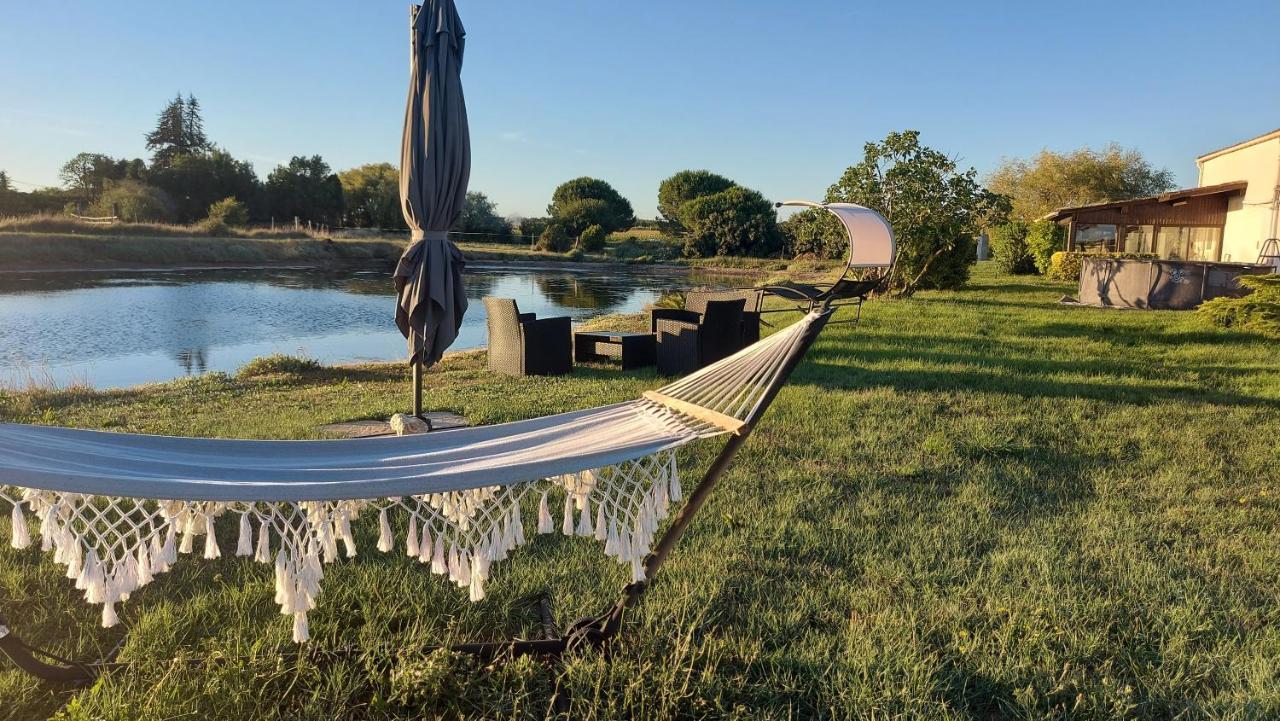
[(1185, 243), (1171, 242), (1139, 239), (1204, 243), (1095, 236)]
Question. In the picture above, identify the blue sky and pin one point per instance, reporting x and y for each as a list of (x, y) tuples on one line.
[(778, 96)]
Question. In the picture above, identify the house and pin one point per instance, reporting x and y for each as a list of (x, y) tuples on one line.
[(1228, 218)]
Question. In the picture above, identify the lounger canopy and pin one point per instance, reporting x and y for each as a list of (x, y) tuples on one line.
[(871, 243)]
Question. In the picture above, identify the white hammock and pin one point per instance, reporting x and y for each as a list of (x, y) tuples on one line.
[(116, 509)]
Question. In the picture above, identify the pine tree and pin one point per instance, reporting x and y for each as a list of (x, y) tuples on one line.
[(170, 137), (193, 127), (4, 182)]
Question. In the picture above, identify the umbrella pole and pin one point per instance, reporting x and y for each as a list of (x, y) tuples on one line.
[(417, 388)]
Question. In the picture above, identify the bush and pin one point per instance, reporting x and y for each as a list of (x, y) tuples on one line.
[(554, 238), (1044, 238), (134, 202), (1259, 311), (737, 221), (278, 364), (1009, 248), (592, 239), (1065, 265), (229, 212)]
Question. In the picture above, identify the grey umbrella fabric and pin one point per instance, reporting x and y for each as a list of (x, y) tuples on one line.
[(435, 165)]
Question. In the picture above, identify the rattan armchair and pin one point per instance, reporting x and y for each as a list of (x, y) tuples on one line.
[(520, 344), (753, 299), (688, 340)]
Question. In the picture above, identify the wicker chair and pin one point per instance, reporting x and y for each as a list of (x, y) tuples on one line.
[(688, 341), (753, 299), (522, 345)]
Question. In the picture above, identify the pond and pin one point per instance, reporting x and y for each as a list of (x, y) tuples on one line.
[(125, 328)]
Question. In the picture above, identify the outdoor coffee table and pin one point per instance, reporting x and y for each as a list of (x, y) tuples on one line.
[(636, 350)]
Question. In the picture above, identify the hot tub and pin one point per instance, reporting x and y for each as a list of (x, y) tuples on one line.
[(1161, 284)]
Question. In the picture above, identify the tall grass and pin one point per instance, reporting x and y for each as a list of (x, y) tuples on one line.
[(974, 505), (65, 224)]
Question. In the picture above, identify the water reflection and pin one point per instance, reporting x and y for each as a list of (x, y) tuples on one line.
[(589, 293), (123, 328)]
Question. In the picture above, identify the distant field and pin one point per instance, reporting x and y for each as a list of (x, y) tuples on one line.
[(974, 505)]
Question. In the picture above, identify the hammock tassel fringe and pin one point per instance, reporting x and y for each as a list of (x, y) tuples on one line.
[(113, 546)]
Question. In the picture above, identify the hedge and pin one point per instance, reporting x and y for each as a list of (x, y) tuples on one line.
[(1065, 265)]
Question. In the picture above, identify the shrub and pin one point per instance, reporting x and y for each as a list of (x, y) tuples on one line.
[(278, 364), (737, 221), (1044, 238), (554, 238), (229, 212), (1065, 265), (592, 239), (134, 202), (1259, 311), (1009, 248)]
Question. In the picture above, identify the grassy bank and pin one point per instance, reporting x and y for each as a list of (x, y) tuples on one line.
[(976, 504)]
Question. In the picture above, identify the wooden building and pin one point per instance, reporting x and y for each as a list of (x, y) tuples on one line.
[(1180, 225)]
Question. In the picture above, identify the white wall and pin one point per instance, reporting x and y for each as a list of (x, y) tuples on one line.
[(1250, 219)]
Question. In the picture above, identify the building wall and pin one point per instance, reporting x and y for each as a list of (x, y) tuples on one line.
[(1250, 218)]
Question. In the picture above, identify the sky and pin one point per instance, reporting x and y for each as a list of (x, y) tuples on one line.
[(778, 96)]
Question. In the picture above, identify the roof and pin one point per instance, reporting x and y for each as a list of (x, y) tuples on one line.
[(1242, 144), (1172, 196)]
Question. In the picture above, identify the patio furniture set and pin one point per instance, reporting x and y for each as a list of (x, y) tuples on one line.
[(712, 325)]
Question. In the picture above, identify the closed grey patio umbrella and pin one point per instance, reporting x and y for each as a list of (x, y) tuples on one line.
[(435, 165)]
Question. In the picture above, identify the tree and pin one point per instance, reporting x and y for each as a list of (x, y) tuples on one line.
[(578, 215), (736, 221), (307, 189), (684, 186), (1052, 180), (134, 202), (196, 181), (480, 215), (934, 208), (179, 131), (4, 182), (814, 231), (531, 228), (618, 215), (371, 197), (88, 173)]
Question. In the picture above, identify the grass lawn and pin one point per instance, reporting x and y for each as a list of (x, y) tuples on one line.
[(976, 504)]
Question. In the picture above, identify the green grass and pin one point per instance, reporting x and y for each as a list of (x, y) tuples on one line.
[(976, 504)]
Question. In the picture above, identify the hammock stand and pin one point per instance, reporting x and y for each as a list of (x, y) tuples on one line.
[(595, 631)]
